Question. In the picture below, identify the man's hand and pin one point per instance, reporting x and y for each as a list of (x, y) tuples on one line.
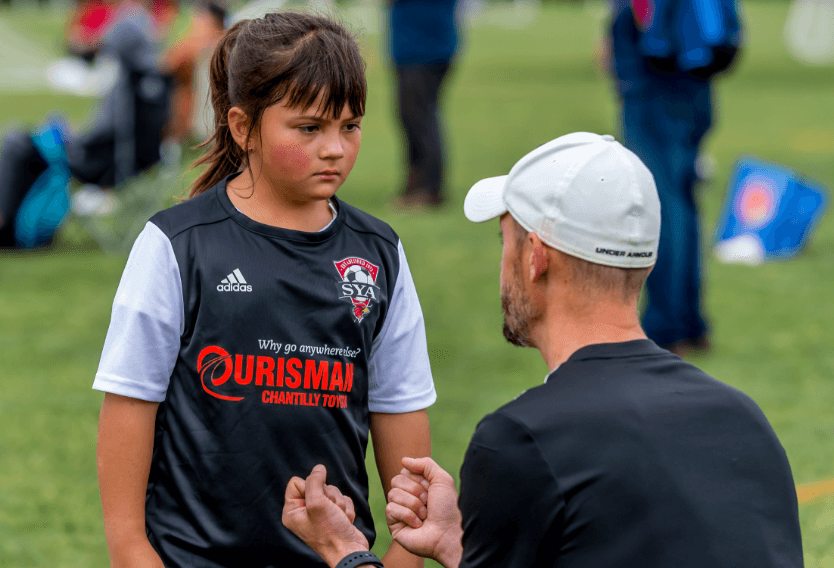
[(322, 517), (432, 530)]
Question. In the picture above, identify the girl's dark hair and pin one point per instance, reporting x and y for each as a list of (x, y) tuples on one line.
[(288, 57)]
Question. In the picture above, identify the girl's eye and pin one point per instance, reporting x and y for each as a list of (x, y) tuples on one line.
[(308, 129), (352, 127)]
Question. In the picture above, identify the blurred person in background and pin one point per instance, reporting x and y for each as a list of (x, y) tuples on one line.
[(664, 55), (626, 455), (90, 20), (181, 63), (123, 139), (125, 136), (423, 38)]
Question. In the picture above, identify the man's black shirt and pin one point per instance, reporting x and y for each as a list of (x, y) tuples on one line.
[(628, 456)]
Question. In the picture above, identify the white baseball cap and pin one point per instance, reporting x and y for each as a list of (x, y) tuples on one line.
[(583, 194)]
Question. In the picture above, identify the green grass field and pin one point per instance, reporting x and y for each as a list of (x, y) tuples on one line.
[(511, 90)]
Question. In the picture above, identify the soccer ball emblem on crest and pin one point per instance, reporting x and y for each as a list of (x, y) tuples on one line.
[(358, 274), (358, 284)]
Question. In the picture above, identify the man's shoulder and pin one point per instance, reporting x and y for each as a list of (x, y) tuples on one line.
[(202, 209), (604, 390), (631, 366), (536, 412), (519, 422)]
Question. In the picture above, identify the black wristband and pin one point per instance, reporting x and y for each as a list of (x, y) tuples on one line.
[(360, 559)]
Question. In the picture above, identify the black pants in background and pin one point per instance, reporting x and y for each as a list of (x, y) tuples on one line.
[(418, 91)]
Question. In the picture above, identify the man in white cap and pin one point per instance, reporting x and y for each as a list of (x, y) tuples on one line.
[(626, 455)]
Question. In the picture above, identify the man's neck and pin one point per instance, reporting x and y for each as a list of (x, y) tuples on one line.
[(561, 333)]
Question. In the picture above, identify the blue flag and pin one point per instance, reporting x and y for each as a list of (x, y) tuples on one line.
[(769, 213)]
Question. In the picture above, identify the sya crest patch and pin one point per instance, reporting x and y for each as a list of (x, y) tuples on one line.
[(357, 284)]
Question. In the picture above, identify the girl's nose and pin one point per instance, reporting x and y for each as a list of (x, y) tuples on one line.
[(332, 147)]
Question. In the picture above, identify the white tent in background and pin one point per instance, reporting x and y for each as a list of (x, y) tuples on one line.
[(809, 31)]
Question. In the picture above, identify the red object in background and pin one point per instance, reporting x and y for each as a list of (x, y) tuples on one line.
[(643, 13), (756, 203), (92, 20), (164, 13)]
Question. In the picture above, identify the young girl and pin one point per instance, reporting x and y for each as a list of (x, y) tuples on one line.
[(263, 326)]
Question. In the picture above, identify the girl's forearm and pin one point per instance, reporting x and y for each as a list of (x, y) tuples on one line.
[(398, 557), (124, 448)]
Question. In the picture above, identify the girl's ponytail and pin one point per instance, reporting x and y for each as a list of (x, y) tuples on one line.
[(225, 156)]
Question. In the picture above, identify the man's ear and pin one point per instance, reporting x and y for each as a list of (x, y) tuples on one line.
[(539, 259), (239, 126)]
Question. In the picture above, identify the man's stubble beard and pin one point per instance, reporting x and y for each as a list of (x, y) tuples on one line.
[(518, 315)]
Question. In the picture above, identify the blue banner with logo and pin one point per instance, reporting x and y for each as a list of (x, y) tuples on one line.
[(770, 213)]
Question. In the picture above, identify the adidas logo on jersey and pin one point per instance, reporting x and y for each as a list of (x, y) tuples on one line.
[(234, 282)]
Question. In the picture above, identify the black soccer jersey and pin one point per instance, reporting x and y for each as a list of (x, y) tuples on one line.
[(628, 457), (267, 349)]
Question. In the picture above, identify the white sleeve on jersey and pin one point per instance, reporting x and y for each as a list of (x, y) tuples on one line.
[(399, 373), (146, 323)]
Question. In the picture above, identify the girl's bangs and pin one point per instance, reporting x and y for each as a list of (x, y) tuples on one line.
[(321, 67)]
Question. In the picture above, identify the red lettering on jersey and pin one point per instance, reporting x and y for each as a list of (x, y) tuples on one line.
[(319, 376), (342, 265), (293, 367), (265, 367), (216, 364), (220, 356), (279, 372), (250, 364), (336, 382), (348, 377)]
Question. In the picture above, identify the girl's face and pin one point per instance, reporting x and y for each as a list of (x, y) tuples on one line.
[(302, 155)]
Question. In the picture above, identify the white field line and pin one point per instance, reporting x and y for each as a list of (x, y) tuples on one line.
[(23, 62)]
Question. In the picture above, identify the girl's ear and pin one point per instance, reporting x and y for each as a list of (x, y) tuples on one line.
[(238, 126)]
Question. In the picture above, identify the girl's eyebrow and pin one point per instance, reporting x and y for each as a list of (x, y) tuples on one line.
[(322, 118)]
